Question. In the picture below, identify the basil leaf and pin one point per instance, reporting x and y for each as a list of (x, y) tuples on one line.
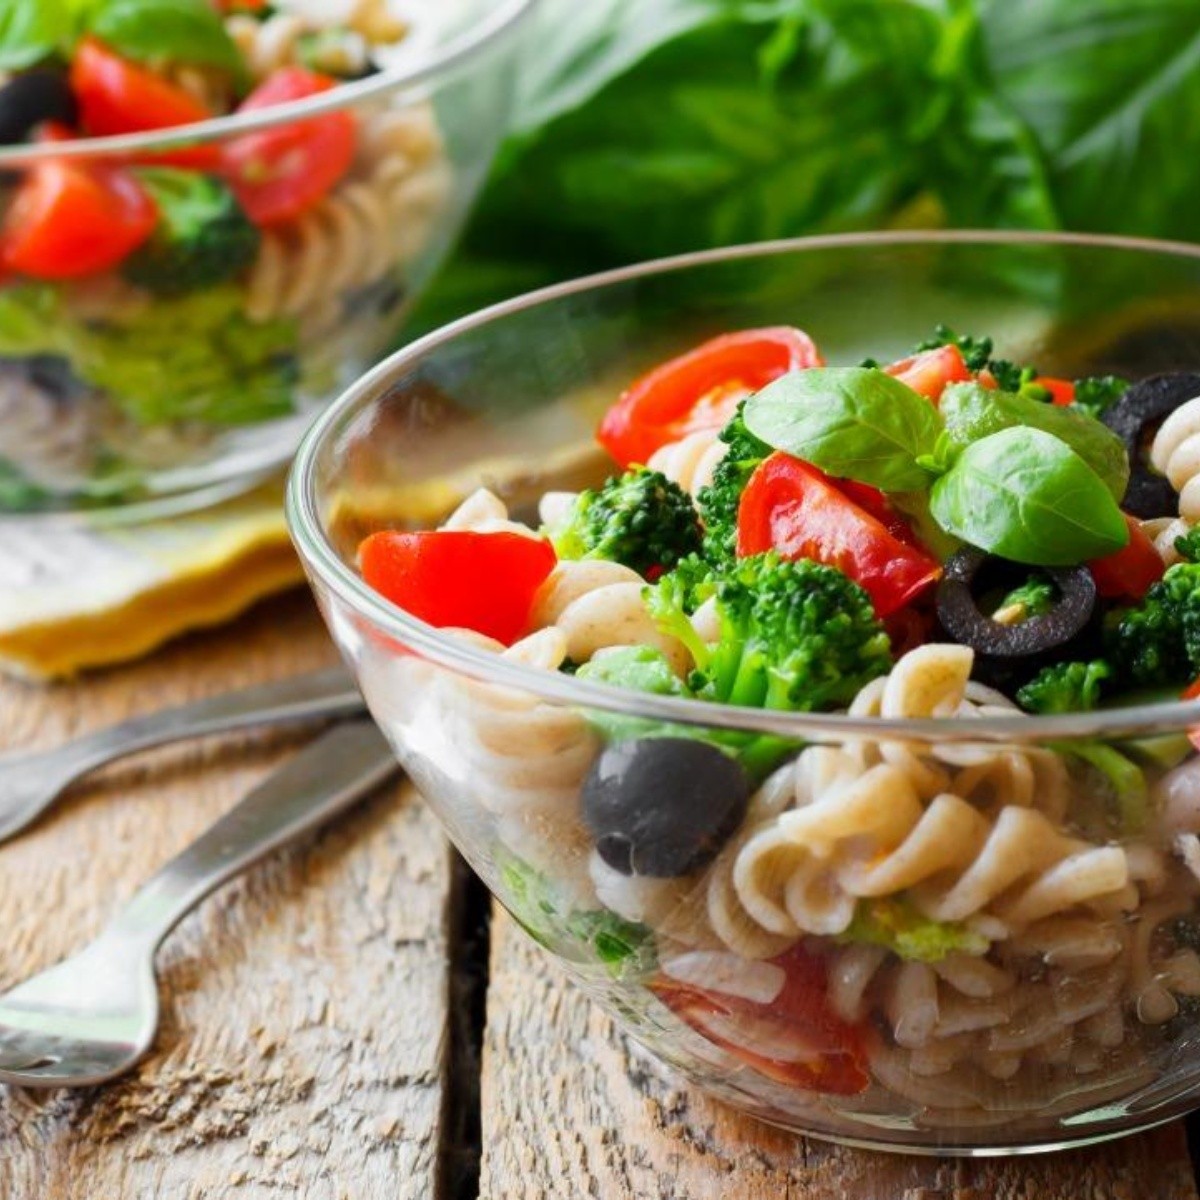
[(1027, 496), (972, 412), (31, 30), (188, 31), (853, 422)]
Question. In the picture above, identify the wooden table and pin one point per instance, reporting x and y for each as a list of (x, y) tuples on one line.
[(342, 1022)]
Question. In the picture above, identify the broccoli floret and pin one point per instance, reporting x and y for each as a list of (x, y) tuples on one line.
[(1065, 687), (1034, 598), (795, 636), (1096, 394), (976, 352), (1188, 546), (202, 237), (1158, 641), (640, 519), (898, 926), (718, 501)]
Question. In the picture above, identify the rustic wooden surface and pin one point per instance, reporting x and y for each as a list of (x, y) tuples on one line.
[(309, 1006), (301, 1048), (572, 1108)]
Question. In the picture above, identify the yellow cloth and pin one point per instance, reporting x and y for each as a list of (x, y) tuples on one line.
[(86, 595)]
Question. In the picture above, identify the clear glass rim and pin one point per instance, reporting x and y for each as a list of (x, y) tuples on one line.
[(326, 564), (500, 19)]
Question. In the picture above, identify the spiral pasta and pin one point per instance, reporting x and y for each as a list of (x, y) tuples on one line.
[(1175, 452), (690, 461)]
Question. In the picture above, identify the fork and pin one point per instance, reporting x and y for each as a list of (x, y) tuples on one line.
[(95, 1014), (30, 783)]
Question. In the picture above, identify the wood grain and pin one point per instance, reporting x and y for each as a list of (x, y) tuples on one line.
[(304, 1005), (572, 1108)]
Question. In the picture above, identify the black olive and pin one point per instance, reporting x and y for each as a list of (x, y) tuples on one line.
[(663, 806), (28, 99), (1145, 404), (1004, 653)]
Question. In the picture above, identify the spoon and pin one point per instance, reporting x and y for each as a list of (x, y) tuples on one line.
[(94, 1015), (30, 783)]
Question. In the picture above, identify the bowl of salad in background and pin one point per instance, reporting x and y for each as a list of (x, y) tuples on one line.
[(800, 640), (214, 215)]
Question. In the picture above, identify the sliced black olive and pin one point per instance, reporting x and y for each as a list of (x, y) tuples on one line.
[(30, 98), (663, 806), (1144, 405), (1001, 648)]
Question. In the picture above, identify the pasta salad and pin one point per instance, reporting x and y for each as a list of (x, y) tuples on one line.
[(976, 930), (151, 303)]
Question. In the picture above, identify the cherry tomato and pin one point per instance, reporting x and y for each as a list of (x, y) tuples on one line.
[(117, 96), (279, 172), (791, 507), (67, 219), (1129, 572), (480, 581), (931, 370), (700, 389), (1062, 391), (795, 1039)]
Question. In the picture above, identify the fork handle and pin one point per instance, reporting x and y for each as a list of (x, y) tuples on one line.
[(319, 694), (318, 783)]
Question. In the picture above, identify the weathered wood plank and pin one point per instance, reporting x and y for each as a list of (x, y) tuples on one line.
[(302, 1045), (572, 1108)]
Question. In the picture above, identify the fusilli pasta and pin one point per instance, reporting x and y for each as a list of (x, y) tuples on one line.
[(1175, 451), (691, 461)]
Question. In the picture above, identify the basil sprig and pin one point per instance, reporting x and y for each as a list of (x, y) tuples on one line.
[(1014, 477), (972, 412), (852, 422), (188, 31)]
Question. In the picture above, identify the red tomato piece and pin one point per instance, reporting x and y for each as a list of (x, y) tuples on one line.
[(931, 370), (1129, 572), (795, 1039), (1062, 391), (791, 507), (700, 389), (480, 581), (278, 173), (67, 219), (117, 96)]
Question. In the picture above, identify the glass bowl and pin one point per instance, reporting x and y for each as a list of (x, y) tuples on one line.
[(157, 397), (1059, 1006)]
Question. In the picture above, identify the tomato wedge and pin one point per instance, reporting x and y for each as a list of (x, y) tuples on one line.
[(117, 96), (1062, 391), (67, 219), (929, 372), (791, 507), (480, 581), (795, 1039), (700, 389), (278, 173), (1129, 572)]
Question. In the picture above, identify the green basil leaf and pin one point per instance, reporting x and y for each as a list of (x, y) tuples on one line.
[(31, 30), (972, 412), (852, 422), (1027, 496), (188, 31)]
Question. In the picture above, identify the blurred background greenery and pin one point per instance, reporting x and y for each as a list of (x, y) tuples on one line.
[(651, 127)]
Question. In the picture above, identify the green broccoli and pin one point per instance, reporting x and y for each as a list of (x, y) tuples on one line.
[(977, 355), (794, 636), (640, 519), (1065, 687), (202, 237), (1096, 394), (1034, 598), (1188, 546), (1158, 641), (719, 501), (897, 925)]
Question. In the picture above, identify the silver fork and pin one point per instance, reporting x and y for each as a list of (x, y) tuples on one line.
[(94, 1015), (30, 783)]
